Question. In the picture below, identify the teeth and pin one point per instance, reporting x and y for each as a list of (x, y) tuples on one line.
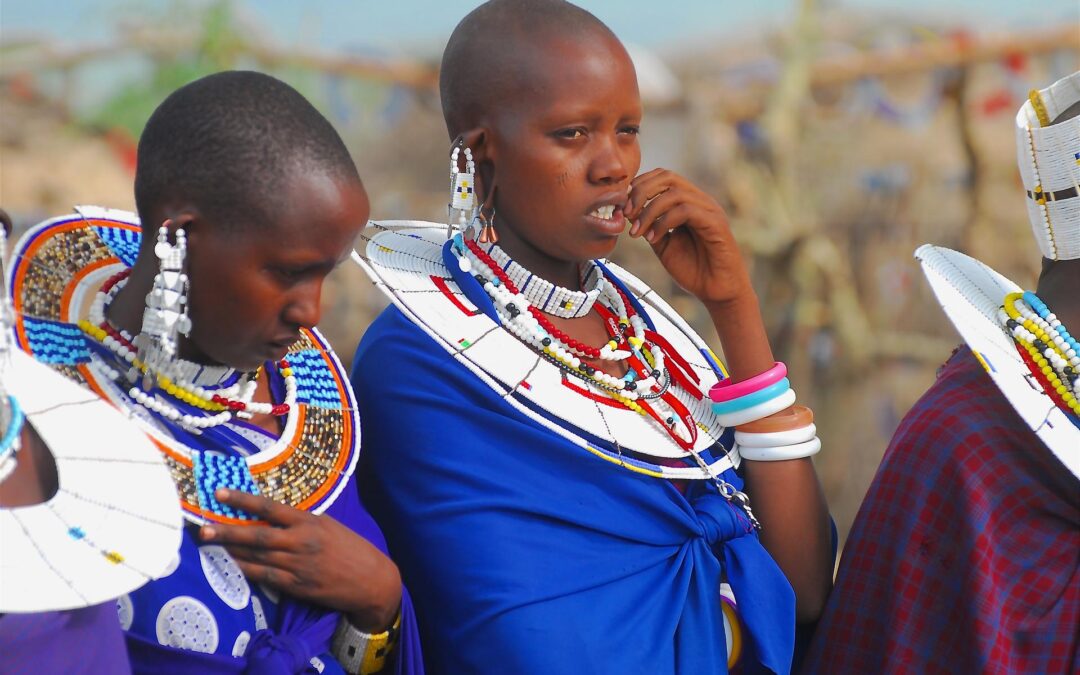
[(604, 212)]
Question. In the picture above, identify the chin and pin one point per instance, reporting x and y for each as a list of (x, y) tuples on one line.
[(250, 360), (598, 248)]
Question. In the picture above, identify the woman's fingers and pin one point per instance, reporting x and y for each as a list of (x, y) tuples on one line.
[(282, 580), (252, 536), (668, 221), (654, 215), (644, 188), (260, 507)]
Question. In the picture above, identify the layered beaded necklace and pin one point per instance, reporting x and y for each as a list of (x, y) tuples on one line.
[(645, 389), (184, 381), (652, 364), (1050, 352)]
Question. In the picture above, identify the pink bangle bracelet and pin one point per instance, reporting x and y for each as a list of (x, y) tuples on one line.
[(727, 390)]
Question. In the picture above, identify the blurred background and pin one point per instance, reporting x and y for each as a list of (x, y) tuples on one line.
[(838, 134)]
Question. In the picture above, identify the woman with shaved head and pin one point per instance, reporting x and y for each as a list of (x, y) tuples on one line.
[(560, 492)]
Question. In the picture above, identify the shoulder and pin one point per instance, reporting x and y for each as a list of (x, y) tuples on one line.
[(963, 406), (392, 336)]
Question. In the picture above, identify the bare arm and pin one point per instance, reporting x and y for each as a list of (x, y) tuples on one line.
[(786, 496), (689, 233)]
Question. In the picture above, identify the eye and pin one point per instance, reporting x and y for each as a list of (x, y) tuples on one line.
[(571, 134), (290, 274), (630, 130)]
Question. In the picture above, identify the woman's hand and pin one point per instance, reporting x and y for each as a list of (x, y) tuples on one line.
[(313, 558), (688, 231)]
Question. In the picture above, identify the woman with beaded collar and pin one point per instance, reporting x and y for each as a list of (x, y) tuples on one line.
[(515, 362), (200, 325), (965, 555)]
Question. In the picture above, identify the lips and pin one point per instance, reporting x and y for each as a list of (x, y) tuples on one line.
[(607, 214)]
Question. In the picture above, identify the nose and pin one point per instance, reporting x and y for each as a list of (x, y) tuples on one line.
[(304, 308), (613, 161)]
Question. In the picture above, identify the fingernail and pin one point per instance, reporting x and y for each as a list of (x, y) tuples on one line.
[(634, 227), (207, 533), (221, 494), (650, 236)]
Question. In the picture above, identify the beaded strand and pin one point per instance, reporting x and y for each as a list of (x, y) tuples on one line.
[(1052, 350), (226, 403), (636, 391)]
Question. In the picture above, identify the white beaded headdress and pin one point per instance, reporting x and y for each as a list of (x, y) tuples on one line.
[(1049, 159)]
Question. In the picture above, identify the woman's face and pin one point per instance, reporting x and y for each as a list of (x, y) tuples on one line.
[(565, 149), (254, 288)]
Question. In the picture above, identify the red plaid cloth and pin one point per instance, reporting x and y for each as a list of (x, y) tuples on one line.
[(965, 555)]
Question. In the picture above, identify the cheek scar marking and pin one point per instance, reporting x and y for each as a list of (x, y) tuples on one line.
[(563, 177)]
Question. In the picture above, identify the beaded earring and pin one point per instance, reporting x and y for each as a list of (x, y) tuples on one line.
[(166, 313), (462, 207)]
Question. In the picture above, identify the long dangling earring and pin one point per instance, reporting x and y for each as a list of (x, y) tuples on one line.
[(462, 207), (166, 313)]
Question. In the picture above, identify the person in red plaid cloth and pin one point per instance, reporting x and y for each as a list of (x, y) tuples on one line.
[(965, 555)]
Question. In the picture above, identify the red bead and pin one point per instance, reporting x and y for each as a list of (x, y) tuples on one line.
[(115, 279), (218, 399), (280, 409)]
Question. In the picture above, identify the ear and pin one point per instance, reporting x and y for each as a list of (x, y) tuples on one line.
[(481, 141), (176, 216)]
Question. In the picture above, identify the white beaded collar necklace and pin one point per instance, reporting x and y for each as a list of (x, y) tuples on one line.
[(546, 296)]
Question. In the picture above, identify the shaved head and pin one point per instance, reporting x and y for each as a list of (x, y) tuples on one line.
[(493, 52)]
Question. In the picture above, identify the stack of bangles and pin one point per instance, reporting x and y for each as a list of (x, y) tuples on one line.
[(768, 428)]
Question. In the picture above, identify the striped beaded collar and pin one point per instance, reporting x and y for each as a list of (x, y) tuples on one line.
[(546, 296)]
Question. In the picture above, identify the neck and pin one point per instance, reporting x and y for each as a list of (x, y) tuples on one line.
[(1059, 288), (126, 309), (565, 273)]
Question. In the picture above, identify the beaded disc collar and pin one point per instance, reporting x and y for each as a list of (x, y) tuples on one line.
[(57, 271), (972, 294), (114, 522), (407, 260)]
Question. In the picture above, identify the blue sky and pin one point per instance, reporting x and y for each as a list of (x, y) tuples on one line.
[(422, 25)]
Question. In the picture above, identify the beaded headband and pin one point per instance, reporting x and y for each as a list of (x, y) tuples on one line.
[(971, 294), (1049, 159)]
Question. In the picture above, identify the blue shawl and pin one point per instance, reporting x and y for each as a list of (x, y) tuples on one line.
[(526, 554)]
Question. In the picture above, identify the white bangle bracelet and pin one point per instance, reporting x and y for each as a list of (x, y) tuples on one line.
[(758, 411), (775, 439), (785, 452)]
